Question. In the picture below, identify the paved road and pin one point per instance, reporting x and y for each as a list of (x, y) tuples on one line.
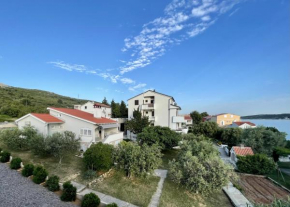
[(18, 191)]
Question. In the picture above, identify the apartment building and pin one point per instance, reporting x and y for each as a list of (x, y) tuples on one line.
[(161, 110), (223, 119)]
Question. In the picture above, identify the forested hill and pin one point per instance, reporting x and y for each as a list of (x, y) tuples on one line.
[(16, 102), (267, 116)]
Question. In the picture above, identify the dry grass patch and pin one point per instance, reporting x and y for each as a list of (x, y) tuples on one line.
[(137, 191)]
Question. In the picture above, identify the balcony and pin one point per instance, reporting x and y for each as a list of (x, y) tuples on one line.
[(147, 107), (151, 118), (178, 119)]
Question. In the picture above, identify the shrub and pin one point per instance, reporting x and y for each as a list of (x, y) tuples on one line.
[(13, 140), (99, 157), (90, 200), (232, 136), (53, 183), (69, 192), (256, 164), (89, 174), (5, 156), (137, 160), (112, 205), (15, 163), (279, 151), (162, 136), (28, 170), (0, 150), (39, 175), (207, 129)]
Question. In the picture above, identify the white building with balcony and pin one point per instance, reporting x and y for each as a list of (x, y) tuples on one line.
[(161, 110), (89, 127)]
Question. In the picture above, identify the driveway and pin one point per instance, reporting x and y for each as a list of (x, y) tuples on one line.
[(19, 191)]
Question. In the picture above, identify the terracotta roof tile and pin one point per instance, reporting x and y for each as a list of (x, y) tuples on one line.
[(187, 117), (47, 118), (242, 151), (239, 123), (84, 115)]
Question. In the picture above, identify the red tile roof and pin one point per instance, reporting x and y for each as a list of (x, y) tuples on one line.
[(242, 151), (47, 118), (239, 123), (84, 115), (101, 104), (187, 117)]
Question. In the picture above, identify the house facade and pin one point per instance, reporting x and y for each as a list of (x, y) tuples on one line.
[(161, 110), (96, 108), (188, 119), (239, 151), (86, 126), (242, 125), (223, 119)]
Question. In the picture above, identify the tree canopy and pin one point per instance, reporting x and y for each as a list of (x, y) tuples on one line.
[(208, 129), (105, 101), (162, 136), (137, 123), (137, 160)]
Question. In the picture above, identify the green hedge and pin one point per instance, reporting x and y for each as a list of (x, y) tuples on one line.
[(69, 192), (15, 163), (28, 170), (52, 183), (5, 156), (39, 175), (91, 200)]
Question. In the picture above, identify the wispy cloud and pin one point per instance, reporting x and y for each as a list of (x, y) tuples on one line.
[(138, 86), (102, 89), (231, 14), (68, 67), (127, 81), (182, 20)]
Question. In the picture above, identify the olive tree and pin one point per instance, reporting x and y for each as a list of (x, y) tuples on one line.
[(208, 129), (135, 160), (199, 168)]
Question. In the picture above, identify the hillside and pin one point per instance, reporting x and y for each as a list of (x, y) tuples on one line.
[(267, 116), (16, 102)]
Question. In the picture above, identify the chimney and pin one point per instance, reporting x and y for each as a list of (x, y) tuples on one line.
[(242, 146)]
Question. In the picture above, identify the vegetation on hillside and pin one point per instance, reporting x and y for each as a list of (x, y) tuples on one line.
[(16, 102), (267, 116)]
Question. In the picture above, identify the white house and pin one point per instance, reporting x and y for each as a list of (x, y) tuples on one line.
[(96, 108), (240, 151), (188, 119), (161, 109), (242, 125), (87, 126)]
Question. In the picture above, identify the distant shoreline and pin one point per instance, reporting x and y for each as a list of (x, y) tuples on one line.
[(285, 116)]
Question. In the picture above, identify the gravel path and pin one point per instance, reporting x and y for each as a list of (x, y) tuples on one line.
[(16, 191)]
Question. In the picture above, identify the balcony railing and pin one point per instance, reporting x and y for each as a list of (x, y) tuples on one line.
[(147, 106), (151, 118)]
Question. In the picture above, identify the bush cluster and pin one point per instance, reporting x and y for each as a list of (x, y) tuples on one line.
[(112, 205), (256, 164), (90, 200), (99, 157), (69, 192), (5, 156), (39, 174), (15, 163), (52, 183), (28, 170)]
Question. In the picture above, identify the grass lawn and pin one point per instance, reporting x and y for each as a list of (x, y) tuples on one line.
[(137, 191), (278, 178), (175, 196), (70, 165), (285, 165), (6, 118)]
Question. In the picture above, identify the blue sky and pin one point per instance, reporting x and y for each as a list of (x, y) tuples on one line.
[(211, 55)]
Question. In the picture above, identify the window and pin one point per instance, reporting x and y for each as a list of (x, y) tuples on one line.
[(225, 116), (136, 102), (152, 113), (86, 132), (58, 115), (146, 112), (152, 101), (85, 107), (146, 101)]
